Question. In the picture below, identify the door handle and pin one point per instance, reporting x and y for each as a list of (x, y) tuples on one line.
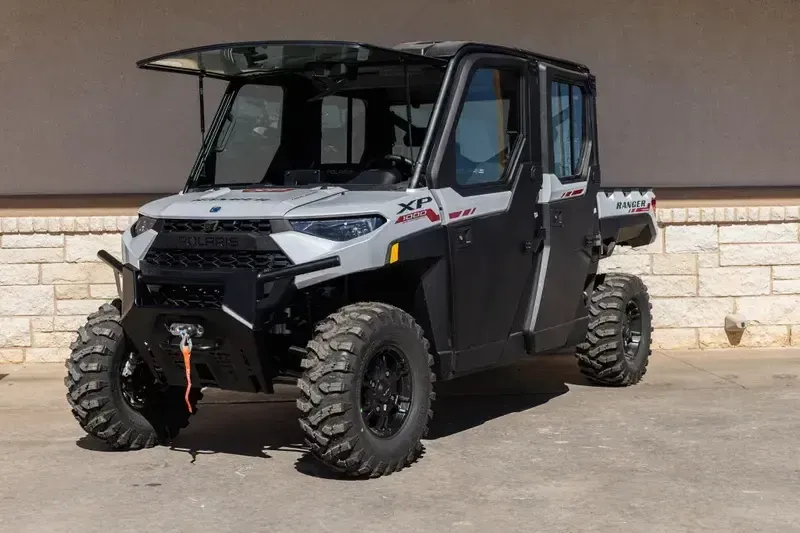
[(535, 244), (464, 237)]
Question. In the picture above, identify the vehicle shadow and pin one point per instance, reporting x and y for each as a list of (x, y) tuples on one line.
[(257, 426)]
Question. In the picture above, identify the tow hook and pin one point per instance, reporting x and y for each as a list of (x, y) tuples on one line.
[(186, 332)]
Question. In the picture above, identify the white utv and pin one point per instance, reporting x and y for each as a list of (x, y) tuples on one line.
[(364, 221)]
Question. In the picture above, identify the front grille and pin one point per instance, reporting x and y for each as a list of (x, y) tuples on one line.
[(211, 259), (188, 296), (215, 226)]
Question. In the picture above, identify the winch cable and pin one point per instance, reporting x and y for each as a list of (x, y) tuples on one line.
[(186, 350)]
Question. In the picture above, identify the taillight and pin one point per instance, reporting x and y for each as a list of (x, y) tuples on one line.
[(653, 204)]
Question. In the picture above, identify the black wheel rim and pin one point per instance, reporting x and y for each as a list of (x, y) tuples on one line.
[(135, 382), (632, 329), (386, 390)]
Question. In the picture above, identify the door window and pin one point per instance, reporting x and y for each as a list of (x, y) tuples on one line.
[(566, 104), (488, 127)]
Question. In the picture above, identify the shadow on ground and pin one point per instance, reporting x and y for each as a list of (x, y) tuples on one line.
[(255, 426)]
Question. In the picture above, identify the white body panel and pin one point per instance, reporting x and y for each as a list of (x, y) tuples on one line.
[(406, 212)]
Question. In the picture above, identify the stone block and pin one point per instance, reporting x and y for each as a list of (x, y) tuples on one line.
[(770, 310), (84, 248), (752, 337), (792, 213), (42, 323), (96, 224), (31, 255), (752, 214), (786, 286), (759, 254), (36, 240), (68, 224), (8, 225), (691, 239), (25, 225), (707, 214), (27, 274), (53, 224), (69, 322), (708, 260), (679, 215), (77, 273), (759, 233), (734, 281), (19, 300), (786, 272), (693, 215), (664, 216), (78, 307), (765, 214), (72, 292), (667, 286), (104, 291), (674, 339), (675, 264), (627, 263), (46, 355), (14, 332), (12, 355), (693, 312), (777, 213), (57, 339), (741, 214), (81, 224), (39, 224)]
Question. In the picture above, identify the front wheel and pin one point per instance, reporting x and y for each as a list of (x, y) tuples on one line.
[(112, 393), (367, 389), (616, 349)]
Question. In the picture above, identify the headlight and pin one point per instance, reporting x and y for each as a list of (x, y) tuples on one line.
[(338, 229), (143, 224)]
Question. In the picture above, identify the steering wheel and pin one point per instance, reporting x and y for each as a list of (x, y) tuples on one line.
[(394, 158)]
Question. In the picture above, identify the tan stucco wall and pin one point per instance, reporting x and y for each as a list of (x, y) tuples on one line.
[(690, 92)]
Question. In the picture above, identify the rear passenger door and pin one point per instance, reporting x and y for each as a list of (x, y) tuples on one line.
[(567, 202), (482, 170)]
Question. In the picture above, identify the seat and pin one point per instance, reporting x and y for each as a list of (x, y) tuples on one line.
[(378, 176)]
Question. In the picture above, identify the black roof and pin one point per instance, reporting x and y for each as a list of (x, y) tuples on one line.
[(254, 58), (447, 49)]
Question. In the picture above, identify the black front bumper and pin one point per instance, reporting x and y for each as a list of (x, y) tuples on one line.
[(232, 353)]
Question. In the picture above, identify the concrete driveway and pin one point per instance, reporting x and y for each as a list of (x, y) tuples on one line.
[(708, 442)]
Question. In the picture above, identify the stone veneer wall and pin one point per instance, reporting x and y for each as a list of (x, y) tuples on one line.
[(709, 262), (706, 263), (50, 279)]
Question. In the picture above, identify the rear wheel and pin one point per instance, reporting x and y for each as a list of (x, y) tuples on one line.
[(112, 393), (617, 345), (366, 390)]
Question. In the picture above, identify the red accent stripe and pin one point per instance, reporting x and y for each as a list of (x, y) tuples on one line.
[(432, 215), (455, 214)]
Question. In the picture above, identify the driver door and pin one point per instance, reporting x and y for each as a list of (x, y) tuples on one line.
[(483, 173)]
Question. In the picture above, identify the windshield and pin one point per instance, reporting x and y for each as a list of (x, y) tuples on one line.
[(346, 127)]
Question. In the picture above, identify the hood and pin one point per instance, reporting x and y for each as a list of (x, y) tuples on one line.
[(228, 203), (350, 203)]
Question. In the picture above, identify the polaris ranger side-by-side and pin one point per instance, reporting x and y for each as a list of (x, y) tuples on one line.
[(367, 220)]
